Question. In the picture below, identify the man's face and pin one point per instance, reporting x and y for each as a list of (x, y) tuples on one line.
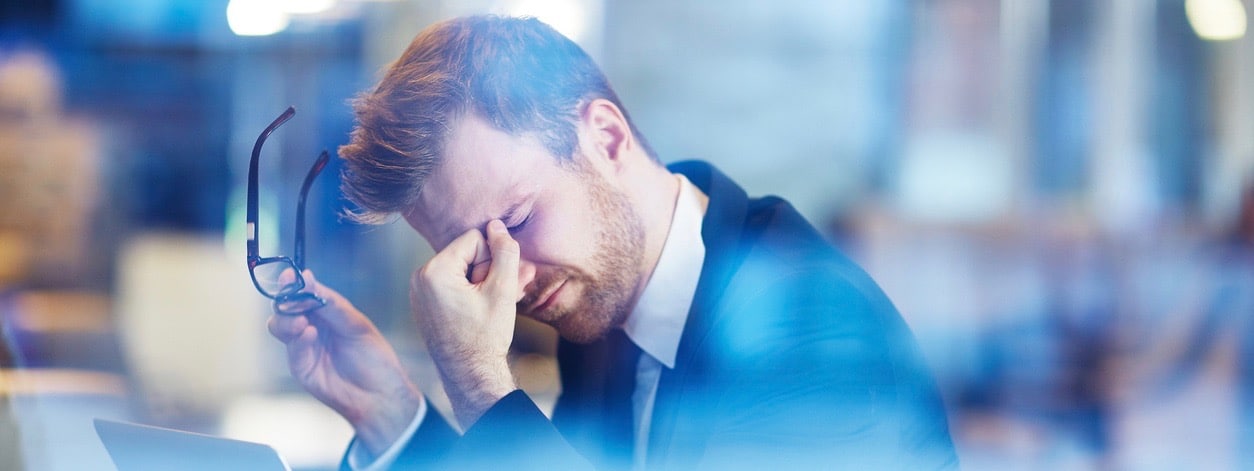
[(573, 226)]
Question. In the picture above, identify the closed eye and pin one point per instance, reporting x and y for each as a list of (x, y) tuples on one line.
[(521, 225)]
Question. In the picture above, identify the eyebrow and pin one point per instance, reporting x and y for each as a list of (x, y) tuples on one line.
[(452, 232), (509, 214)]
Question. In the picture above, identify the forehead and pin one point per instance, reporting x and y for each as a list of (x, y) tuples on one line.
[(483, 173)]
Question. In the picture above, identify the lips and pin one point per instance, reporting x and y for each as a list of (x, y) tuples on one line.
[(546, 299)]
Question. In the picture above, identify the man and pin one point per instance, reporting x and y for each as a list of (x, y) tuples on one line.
[(700, 328)]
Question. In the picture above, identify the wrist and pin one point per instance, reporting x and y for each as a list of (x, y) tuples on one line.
[(388, 418), (473, 394)]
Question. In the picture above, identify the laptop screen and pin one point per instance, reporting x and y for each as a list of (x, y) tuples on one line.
[(135, 447)]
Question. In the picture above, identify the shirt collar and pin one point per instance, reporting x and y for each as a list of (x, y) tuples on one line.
[(657, 322)]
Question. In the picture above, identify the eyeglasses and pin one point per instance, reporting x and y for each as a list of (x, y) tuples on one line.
[(269, 273)]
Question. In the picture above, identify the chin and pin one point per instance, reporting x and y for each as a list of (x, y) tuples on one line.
[(582, 336), (585, 328)]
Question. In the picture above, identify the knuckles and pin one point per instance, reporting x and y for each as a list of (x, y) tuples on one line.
[(423, 276)]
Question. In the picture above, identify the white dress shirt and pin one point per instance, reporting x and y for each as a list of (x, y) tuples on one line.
[(655, 325), (657, 322)]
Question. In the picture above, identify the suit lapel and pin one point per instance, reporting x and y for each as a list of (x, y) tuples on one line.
[(722, 230)]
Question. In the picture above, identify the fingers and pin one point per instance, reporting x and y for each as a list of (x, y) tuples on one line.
[(295, 331), (491, 264), (308, 338), (286, 304), (338, 316), (299, 336), (301, 356), (479, 271), (286, 328), (313, 286), (287, 277), (464, 251), (502, 276)]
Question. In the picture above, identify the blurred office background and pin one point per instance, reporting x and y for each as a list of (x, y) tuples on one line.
[(1058, 195)]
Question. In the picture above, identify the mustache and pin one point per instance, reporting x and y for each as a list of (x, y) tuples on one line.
[(545, 282)]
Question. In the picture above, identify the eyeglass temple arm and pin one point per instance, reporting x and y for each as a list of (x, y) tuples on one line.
[(299, 247), (252, 181)]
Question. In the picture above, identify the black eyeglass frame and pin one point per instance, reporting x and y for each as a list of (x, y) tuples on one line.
[(290, 294)]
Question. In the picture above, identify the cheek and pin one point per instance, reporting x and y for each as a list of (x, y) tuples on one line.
[(556, 241), (563, 228), (541, 246)]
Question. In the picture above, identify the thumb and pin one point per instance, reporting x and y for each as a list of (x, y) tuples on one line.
[(502, 279)]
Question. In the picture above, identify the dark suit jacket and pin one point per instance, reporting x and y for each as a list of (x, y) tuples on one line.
[(791, 358)]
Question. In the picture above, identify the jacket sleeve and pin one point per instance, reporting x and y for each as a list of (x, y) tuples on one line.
[(513, 434), (422, 448)]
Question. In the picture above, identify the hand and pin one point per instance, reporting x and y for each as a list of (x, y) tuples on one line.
[(469, 323), (338, 355)]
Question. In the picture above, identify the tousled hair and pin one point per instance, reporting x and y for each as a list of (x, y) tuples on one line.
[(518, 74)]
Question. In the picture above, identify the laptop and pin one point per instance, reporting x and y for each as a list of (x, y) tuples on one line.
[(135, 447)]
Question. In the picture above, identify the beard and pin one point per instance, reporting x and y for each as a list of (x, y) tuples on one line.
[(609, 284)]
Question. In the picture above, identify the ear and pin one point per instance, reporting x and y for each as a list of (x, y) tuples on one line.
[(607, 136)]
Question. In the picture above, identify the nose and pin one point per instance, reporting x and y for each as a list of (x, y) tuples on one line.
[(526, 275)]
